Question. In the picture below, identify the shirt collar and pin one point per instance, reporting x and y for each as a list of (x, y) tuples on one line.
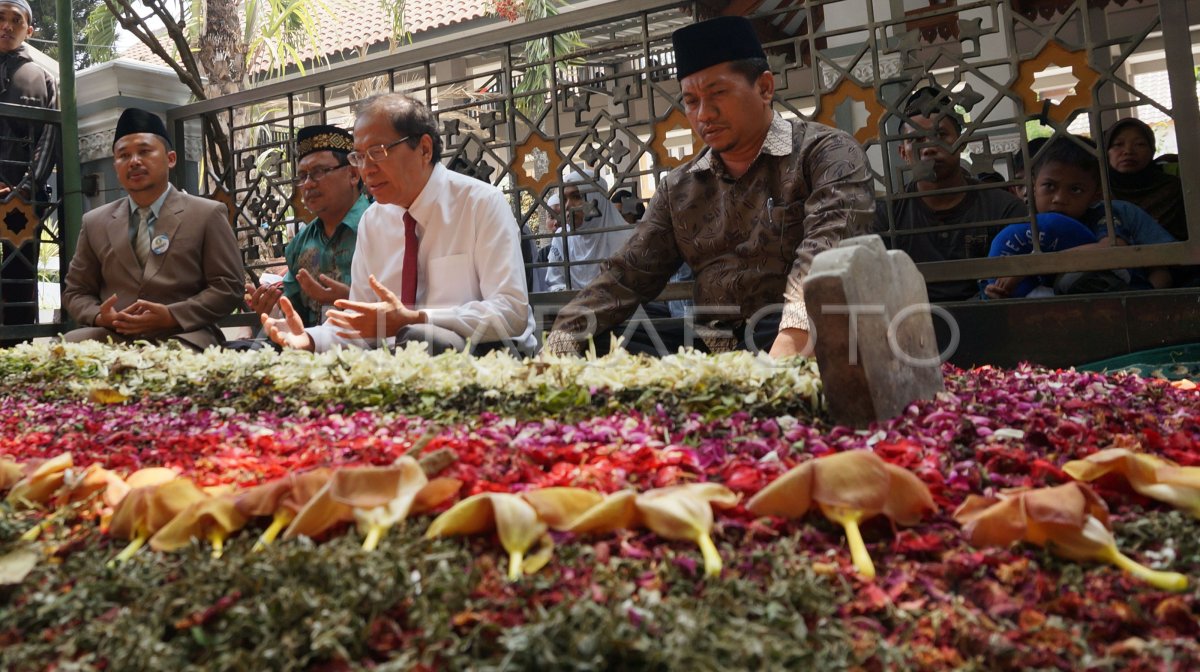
[(353, 215), (156, 206), (426, 203), (777, 143), (20, 53)]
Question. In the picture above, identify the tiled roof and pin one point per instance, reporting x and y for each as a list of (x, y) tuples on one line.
[(344, 26), (423, 15)]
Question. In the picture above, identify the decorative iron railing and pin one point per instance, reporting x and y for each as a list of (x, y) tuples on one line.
[(30, 263)]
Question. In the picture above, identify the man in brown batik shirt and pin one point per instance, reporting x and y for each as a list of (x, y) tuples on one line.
[(748, 214)]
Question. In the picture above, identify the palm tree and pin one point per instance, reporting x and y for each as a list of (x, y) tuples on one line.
[(538, 55)]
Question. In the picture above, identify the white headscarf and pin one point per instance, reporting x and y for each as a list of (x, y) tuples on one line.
[(551, 278), (582, 246)]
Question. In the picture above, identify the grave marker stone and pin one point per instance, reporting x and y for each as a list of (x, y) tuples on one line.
[(873, 331)]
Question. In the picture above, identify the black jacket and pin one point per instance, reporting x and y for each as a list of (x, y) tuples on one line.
[(28, 149)]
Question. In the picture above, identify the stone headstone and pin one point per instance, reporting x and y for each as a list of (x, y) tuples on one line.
[(872, 329)]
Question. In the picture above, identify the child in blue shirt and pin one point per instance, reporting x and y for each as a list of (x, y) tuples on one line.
[(1066, 183)]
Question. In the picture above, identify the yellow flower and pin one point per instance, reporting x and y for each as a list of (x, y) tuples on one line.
[(142, 478), (147, 510), (680, 512), (10, 473), (557, 507), (79, 485), (106, 395), (376, 498), (280, 499), (518, 521), (40, 484), (1151, 476), (1070, 520), (65, 486), (212, 518), (849, 488)]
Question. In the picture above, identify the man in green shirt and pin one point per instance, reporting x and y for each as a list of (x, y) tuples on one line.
[(318, 258)]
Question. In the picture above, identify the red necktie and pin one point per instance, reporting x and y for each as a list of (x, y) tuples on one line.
[(408, 273)]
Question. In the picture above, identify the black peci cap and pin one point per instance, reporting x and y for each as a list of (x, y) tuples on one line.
[(135, 120), (712, 42)]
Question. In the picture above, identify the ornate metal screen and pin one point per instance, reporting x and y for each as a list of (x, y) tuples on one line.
[(32, 238), (525, 105)]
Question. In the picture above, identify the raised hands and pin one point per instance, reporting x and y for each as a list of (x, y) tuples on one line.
[(372, 320), (262, 299), (324, 289), (287, 331)]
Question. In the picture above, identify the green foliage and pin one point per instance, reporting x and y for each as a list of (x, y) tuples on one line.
[(529, 93), (280, 29), (100, 35), (45, 21), (274, 30), (1035, 129), (395, 12), (299, 605)]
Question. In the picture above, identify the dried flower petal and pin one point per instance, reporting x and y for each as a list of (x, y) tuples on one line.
[(684, 512), (372, 487), (380, 497), (376, 497), (281, 499), (617, 511), (106, 395), (319, 514), (146, 510), (291, 492), (908, 499), (435, 493)]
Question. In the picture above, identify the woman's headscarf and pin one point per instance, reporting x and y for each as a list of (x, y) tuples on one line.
[(589, 241), (1151, 189)]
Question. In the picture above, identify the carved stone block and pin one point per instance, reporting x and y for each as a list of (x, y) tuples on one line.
[(873, 331)]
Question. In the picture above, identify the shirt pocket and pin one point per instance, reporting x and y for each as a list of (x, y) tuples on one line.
[(787, 224), (451, 281)]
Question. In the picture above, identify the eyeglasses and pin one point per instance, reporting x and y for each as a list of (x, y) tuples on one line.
[(316, 174), (375, 154)]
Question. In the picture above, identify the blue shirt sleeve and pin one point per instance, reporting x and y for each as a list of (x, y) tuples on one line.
[(1137, 226)]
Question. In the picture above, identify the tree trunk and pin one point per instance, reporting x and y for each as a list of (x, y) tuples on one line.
[(222, 50)]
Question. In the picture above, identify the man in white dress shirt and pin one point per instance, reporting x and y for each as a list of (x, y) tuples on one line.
[(438, 256)]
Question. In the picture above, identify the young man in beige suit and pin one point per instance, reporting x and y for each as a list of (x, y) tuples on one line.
[(158, 265)]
